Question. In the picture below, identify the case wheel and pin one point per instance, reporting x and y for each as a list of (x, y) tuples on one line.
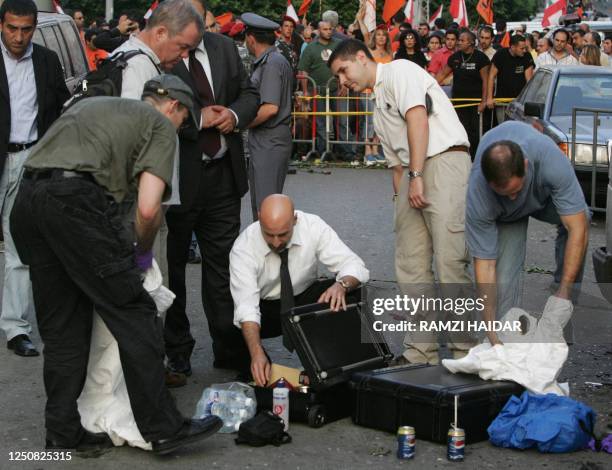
[(316, 416)]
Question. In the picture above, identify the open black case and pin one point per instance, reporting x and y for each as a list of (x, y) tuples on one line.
[(331, 347)]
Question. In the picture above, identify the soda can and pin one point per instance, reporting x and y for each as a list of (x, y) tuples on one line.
[(406, 442), (455, 450)]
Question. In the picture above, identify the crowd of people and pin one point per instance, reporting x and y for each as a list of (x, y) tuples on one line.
[(72, 183)]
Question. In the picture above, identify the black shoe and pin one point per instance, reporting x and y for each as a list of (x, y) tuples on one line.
[(180, 365), (22, 346), (192, 431), (88, 442)]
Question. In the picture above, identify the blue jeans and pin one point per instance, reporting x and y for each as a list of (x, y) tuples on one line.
[(511, 249)]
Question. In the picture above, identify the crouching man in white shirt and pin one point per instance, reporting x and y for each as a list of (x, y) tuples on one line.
[(273, 267)]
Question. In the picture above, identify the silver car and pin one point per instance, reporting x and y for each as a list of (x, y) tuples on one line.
[(547, 102)]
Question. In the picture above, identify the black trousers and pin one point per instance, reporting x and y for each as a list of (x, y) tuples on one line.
[(215, 219), (270, 309), (80, 257), (471, 122)]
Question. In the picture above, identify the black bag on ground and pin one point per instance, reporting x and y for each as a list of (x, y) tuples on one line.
[(107, 80), (262, 429), (423, 396)]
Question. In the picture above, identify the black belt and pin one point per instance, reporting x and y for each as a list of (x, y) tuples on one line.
[(14, 148), (42, 174)]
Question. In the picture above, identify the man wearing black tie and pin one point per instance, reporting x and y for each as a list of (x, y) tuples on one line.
[(213, 179), (273, 267)]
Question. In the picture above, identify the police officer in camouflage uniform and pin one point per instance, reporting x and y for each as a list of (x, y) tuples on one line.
[(270, 141)]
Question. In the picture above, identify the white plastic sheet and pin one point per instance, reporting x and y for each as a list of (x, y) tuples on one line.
[(104, 404), (532, 358)]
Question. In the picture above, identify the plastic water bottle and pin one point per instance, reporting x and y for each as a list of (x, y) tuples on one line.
[(231, 403), (280, 402)]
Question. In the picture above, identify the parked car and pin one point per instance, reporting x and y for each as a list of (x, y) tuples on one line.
[(548, 100), (59, 33)]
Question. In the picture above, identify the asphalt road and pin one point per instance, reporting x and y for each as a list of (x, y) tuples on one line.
[(357, 203)]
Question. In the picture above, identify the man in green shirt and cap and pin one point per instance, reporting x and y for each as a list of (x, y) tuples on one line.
[(100, 159)]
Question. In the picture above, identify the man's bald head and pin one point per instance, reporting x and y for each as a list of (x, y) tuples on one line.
[(503, 166), (277, 219)]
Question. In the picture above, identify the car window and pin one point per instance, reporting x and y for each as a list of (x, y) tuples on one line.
[(532, 88), (542, 91), (586, 91), (64, 52), (53, 44), (74, 48), (38, 38)]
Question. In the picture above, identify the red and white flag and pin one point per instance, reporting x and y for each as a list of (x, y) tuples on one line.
[(370, 15), (437, 14), (459, 12), (291, 12), (553, 13), (409, 11), (149, 12), (58, 7)]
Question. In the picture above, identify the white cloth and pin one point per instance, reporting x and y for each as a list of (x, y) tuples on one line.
[(400, 86), (104, 403), (255, 268), (548, 59), (533, 359), (22, 94)]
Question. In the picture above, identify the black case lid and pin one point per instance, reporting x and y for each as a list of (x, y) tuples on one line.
[(333, 345)]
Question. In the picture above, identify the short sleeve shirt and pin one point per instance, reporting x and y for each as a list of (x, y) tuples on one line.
[(114, 139), (549, 178), (466, 68), (272, 76), (314, 62), (395, 95), (511, 73)]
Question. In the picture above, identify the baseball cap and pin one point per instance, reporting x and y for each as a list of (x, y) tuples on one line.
[(173, 87)]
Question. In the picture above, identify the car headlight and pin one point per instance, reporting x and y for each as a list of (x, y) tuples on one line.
[(584, 154)]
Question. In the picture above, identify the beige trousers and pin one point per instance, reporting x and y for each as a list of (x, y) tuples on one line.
[(433, 239)]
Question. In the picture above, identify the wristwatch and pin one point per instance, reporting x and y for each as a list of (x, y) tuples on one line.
[(344, 284), (415, 174)]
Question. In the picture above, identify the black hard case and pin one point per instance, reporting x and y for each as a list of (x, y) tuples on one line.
[(334, 345), (423, 396), (331, 346)]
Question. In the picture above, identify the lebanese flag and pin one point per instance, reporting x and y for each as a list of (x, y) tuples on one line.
[(304, 7), (390, 8), (149, 12), (459, 13), (370, 15), (437, 14), (58, 7), (553, 13), (409, 11), (291, 12), (485, 10)]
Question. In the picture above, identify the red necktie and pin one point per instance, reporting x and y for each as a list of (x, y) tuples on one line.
[(209, 140)]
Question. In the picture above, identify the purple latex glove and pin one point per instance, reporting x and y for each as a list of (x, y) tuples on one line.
[(606, 444), (144, 259)]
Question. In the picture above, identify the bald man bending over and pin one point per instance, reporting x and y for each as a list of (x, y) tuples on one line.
[(273, 267)]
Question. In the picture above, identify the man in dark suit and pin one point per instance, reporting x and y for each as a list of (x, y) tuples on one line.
[(213, 178), (32, 92)]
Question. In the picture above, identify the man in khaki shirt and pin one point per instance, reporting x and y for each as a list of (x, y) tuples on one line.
[(427, 147)]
